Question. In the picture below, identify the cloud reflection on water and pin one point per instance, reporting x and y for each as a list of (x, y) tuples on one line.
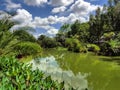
[(50, 67)]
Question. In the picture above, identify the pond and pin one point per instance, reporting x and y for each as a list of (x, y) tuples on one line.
[(80, 71)]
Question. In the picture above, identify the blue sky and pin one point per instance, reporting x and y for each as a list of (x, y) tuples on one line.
[(46, 16)]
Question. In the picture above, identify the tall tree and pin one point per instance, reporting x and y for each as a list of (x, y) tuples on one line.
[(64, 29), (75, 27), (96, 27)]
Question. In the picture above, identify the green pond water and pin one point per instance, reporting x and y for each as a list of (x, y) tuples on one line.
[(81, 71)]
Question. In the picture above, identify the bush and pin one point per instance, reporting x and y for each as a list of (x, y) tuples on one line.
[(16, 75), (1, 51), (74, 45), (47, 42), (27, 48), (23, 35), (110, 48), (93, 48)]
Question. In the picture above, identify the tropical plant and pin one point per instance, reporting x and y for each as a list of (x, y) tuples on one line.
[(74, 45), (23, 35), (9, 40), (93, 48), (15, 75), (27, 48)]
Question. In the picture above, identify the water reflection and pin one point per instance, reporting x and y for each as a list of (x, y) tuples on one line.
[(50, 67)]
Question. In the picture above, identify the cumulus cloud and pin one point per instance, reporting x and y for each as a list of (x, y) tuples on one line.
[(52, 31), (24, 18), (61, 2), (59, 9), (82, 7), (45, 23), (35, 2), (12, 6), (79, 10)]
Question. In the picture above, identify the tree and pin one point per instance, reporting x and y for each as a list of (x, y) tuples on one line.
[(75, 27), (60, 38), (63, 33), (46, 42), (64, 29), (96, 27), (83, 33), (27, 48), (6, 37), (9, 40)]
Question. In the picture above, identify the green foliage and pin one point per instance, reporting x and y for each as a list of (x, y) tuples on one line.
[(83, 33), (12, 43), (110, 48), (74, 45), (75, 27), (23, 35), (27, 48), (15, 75), (5, 35), (108, 36), (114, 43), (96, 27), (60, 38), (5, 24), (64, 29), (93, 48), (1, 51), (47, 42), (118, 36), (115, 46), (5, 39)]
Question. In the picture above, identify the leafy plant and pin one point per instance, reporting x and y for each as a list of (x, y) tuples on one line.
[(27, 48), (93, 48), (47, 42), (15, 75), (74, 44)]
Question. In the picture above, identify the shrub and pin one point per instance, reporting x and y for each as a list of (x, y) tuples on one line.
[(47, 42), (110, 48), (16, 75), (23, 35), (108, 36), (27, 48), (74, 45), (1, 51), (93, 48)]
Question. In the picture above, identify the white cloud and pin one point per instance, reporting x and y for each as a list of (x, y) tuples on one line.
[(52, 19), (61, 2), (52, 31), (82, 7), (79, 10), (38, 21), (11, 6), (59, 9), (22, 16), (35, 2)]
